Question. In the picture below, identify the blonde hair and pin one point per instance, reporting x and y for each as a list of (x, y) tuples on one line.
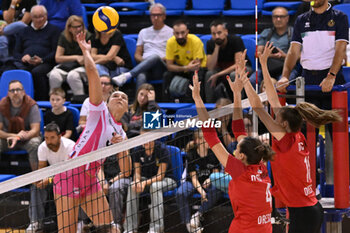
[(310, 113), (58, 91), (70, 20)]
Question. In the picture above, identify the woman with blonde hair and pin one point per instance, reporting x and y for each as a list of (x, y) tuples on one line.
[(70, 58)]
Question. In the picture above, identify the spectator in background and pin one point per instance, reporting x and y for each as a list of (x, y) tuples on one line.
[(145, 101), (152, 173), (184, 55), (223, 52), (201, 163), (150, 50), (110, 53), (107, 90), (20, 130), (280, 35), (35, 50), (116, 175), (59, 114), (60, 10), (16, 13), (70, 58), (53, 150)]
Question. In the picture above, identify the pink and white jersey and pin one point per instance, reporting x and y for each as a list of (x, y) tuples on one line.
[(100, 128)]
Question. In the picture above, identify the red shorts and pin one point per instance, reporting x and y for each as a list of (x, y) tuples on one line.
[(76, 183)]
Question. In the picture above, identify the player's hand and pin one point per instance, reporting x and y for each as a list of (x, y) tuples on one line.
[(327, 83), (83, 44), (263, 57), (196, 86), (151, 95), (282, 84)]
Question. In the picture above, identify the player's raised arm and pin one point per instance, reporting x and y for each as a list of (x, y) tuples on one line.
[(209, 133), (95, 88)]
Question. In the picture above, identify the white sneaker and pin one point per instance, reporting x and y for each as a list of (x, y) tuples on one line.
[(191, 229), (33, 227), (195, 220), (120, 80)]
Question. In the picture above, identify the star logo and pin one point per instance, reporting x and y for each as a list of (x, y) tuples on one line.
[(152, 120)]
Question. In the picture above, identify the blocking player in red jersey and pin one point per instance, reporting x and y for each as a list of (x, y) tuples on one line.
[(249, 189), (291, 167)]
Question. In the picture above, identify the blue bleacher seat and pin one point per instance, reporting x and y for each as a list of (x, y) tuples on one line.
[(47, 104), (132, 36), (177, 166), (204, 39), (174, 106), (173, 8), (344, 8), (290, 6), (92, 7), (130, 8), (250, 46), (206, 8), (185, 113), (131, 46), (85, 17), (243, 8), (4, 177), (76, 116), (25, 77), (346, 73), (249, 36)]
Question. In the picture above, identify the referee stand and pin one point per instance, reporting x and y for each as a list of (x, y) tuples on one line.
[(335, 196)]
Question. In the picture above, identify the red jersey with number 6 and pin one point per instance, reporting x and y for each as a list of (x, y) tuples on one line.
[(291, 171), (249, 192)]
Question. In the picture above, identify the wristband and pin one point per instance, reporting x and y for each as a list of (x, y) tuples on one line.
[(238, 128), (332, 74), (210, 136)]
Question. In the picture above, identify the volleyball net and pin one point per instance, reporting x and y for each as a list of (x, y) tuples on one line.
[(160, 201)]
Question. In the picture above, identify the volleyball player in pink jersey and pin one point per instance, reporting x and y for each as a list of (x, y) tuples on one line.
[(249, 189), (80, 186), (291, 167)]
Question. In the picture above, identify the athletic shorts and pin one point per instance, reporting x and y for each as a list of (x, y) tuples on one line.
[(76, 183)]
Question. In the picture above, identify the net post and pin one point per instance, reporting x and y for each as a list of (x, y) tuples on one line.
[(341, 151)]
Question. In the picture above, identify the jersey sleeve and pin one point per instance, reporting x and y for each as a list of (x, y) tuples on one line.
[(296, 32), (234, 167), (342, 28)]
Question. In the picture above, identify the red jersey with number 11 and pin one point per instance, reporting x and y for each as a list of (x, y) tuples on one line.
[(291, 171), (249, 192)]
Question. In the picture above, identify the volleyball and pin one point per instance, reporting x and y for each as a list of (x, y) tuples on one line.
[(105, 19)]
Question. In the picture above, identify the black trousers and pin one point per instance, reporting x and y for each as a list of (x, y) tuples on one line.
[(305, 219)]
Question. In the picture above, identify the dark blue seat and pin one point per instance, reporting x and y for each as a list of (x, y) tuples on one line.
[(4, 177), (85, 17), (250, 46), (132, 36), (131, 46), (243, 8), (290, 6), (206, 8), (174, 106), (47, 104), (204, 39), (173, 8), (92, 7), (130, 8), (344, 8), (25, 77)]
